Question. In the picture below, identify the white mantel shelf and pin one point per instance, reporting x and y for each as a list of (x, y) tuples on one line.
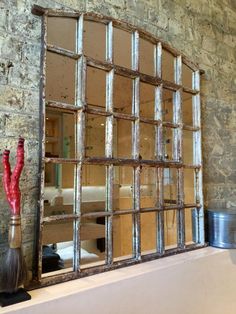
[(201, 281)]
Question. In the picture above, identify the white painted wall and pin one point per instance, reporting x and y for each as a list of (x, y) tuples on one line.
[(202, 281)]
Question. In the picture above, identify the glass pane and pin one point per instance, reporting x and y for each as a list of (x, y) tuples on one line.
[(60, 72), (148, 181), (188, 147), (147, 100), (170, 229), (59, 189), (187, 76), (122, 237), (147, 141), (187, 109), (122, 48), (122, 95), (123, 188), (93, 188), (146, 56), (93, 242), (189, 179), (96, 88), (167, 105), (95, 40), (170, 186), (148, 233), (95, 136), (168, 143), (122, 140), (60, 134), (168, 62), (57, 247), (189, 222), (61, 32)]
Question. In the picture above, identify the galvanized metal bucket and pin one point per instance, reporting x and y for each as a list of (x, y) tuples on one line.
[(222, 228)]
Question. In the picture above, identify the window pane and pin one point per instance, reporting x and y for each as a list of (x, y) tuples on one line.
[(122, 140), (148, 233), (93, 188), (123, 188), (148, 181), (61, 32), (122, 48), (189, 179), (95, 40), (170, 229), (146, 56), (168, 66), (122, 237), (188, 147), (147, 100), (60, 72), (122, 95), (57, 247), (95, 136), (170, 186), (59, 189), (187, 109), (92, 242), (147, 141), (60, 134), (187, 76), (96, 88), (167, 105)]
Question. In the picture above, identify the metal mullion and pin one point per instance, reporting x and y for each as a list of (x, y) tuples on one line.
[(159, 153), (39, 247), (60, 217), (109, 42), (109, 149), (178, 153), (180, 212), (80, 135), (197, 159), (158, 58), (135, 149), (135, 51), (160, 215), (63, 52), (61, 106)]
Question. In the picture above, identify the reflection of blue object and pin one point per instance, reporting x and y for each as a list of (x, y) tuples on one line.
[(58, 175), (66, 147), (167, 176)]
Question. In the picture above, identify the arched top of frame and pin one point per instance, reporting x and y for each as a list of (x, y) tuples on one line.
[(38, 10)]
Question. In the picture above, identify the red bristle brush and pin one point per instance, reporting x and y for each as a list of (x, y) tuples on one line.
[(14, 269)]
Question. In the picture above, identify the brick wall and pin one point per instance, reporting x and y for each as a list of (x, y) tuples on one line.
[(204, 30)]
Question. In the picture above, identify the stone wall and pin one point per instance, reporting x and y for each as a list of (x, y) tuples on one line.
[(204, 30)]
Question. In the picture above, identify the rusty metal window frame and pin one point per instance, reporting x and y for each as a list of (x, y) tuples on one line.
[(80, 109)]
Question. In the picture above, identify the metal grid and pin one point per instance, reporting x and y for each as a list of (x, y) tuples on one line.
[(80, 108)]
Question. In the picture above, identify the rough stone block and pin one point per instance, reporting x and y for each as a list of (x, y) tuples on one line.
[(23, 125)]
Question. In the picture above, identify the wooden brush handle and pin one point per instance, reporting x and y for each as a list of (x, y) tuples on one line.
[(14, 235)]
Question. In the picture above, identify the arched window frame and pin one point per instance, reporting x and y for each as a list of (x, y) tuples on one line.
[(80, 108)]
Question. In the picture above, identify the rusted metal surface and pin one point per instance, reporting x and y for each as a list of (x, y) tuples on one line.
[(109, 150), (38, 10), (52, 280), (81, 108), (37, 271), (122, 161), (63, 52)]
